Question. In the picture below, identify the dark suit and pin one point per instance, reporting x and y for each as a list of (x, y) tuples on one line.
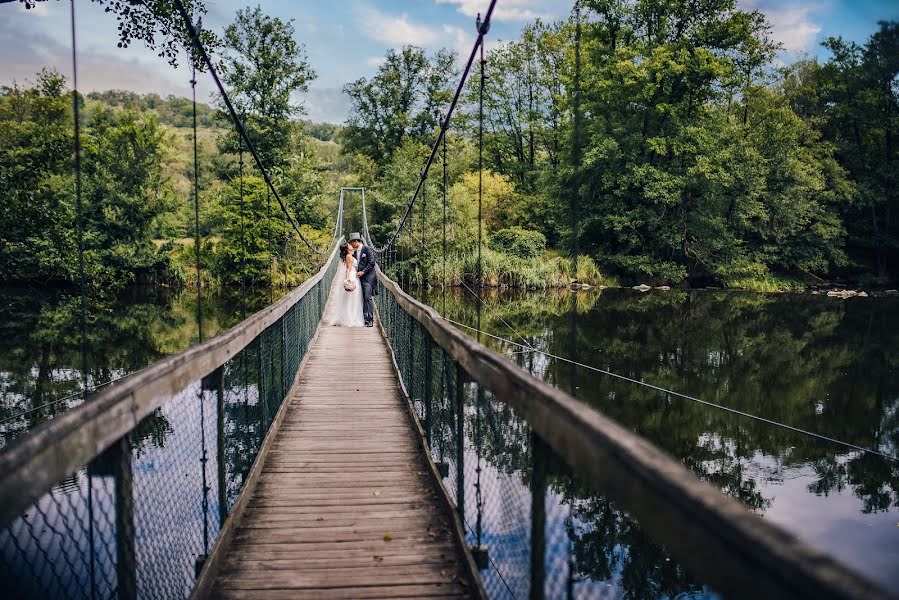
[(367, 261)]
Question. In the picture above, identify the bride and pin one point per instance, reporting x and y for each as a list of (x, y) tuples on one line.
[(348, 312)]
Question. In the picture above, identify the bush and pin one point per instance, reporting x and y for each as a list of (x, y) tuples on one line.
[(518, 242)]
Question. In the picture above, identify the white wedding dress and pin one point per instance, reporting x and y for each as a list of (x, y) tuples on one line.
[(348, 312)]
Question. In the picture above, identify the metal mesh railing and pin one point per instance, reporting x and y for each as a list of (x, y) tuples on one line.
[(614, 518), (140, 519), (535, 529)]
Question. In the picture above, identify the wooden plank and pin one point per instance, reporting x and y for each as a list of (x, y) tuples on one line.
[(346, 503), (298, 580), (712, 534), (347, 593)]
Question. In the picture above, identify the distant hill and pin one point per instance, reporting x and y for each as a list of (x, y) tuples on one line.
[(171, 110), (326, 132)]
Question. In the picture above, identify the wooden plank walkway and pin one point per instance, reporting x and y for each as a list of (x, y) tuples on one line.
[(345, 506)]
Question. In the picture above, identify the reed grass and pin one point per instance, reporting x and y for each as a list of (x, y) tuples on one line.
[(503, 270)]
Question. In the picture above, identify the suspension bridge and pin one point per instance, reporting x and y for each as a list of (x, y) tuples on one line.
[(305, 460)]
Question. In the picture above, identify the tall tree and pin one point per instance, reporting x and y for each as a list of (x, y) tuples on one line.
[(264, 69), (856, 105), (405, 98), (125, 189)]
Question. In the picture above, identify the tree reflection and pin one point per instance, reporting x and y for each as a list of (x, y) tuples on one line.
[(127, 329), (812, 363)]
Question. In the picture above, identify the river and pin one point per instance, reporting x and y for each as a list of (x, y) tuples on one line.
[(822, 365), (818, 364), (41, 359)]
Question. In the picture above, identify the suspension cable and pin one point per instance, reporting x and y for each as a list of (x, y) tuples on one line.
[(195, 40), (79, 206), (243, 242), (483, 27)]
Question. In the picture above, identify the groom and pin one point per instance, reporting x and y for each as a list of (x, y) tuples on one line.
[(366, 275)]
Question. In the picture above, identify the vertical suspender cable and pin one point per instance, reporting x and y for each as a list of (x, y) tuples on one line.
[(243, 245), (443, 288), (193, 89), (482, 29), (79, 208), (204, 489), (271, 252), (576, 134), (424, 233)]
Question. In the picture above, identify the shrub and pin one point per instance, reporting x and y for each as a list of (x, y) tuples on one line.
[(518, 242)]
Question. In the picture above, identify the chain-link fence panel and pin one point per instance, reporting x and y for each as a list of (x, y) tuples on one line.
[(534, 529), (139, 520)]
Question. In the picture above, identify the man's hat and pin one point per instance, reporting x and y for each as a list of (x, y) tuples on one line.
[(355, 237)]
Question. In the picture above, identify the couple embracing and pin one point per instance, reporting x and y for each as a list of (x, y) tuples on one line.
[(355, 306)]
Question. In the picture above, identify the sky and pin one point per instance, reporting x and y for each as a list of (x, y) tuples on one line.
[(347, 39)]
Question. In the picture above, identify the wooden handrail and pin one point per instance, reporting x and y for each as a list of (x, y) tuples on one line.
[(33, 463), (716, 537)]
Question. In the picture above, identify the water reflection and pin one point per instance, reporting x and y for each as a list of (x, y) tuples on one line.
[(40, 347), (820, 364)]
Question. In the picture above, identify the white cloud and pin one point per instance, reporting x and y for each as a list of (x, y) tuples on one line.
[(791, 25), (27, 50), (395, 30), (375, 61), (326, 105), (514, 10), (793, 28), (456, 38)]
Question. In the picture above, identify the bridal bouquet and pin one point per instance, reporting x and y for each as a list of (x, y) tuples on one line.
[(349, 284)]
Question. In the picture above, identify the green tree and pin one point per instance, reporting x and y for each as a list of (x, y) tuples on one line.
[(264, 68), (37, 216), (124, 188), (405, 98), (125, 191), (853, 99)]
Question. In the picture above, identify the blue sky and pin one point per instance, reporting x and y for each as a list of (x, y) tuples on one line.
[(346, 39)]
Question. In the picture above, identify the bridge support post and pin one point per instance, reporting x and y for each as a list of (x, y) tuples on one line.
[(428, 390), (216, 381), (460, 443), (412, 325), (283, 356), (260, 389), (538, 517), (126, 561)]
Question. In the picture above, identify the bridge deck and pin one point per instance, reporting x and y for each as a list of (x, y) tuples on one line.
[(345, 506)]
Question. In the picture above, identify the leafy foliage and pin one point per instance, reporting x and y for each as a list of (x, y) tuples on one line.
[(157, 24), (853, 100), (403, 99), (124, 190), (264, 67), (519, 242)]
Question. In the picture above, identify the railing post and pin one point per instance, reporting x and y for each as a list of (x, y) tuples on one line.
[(284, 382), (460, 443), (427, 389), (538, 517), (260, 388), (217, 382), (119, 455), (412, 324)]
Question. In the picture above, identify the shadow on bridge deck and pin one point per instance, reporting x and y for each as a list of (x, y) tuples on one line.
[(346, 504)]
